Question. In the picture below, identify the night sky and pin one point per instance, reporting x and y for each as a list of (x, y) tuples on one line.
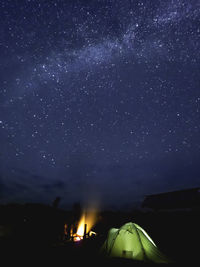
[(98, 99)]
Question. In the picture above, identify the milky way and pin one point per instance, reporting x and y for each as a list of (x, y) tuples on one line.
[(98, 97)]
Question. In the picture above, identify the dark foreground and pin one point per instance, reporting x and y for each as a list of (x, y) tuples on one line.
[(37, 238), (64, 256)]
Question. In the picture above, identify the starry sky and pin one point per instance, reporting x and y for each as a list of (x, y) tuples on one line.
[(98, 98)]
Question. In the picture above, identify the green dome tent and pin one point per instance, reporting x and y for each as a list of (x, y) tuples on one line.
[(132, 242)]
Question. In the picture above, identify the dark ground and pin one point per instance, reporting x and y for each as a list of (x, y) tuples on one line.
[(33, 234)]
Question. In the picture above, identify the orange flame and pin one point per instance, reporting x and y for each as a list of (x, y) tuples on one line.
[(89, 219), (81, 226)]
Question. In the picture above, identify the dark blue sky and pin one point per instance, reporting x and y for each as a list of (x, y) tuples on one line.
[(98, 98)]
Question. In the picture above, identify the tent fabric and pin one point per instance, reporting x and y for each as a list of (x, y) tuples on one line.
[(132, 242)]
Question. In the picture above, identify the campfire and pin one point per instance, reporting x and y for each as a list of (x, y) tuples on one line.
[(83, 229)]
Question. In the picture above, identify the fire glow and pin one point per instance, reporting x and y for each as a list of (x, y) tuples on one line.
[(85, 225)]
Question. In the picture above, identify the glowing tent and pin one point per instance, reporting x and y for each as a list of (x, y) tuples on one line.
[(132, 242)]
